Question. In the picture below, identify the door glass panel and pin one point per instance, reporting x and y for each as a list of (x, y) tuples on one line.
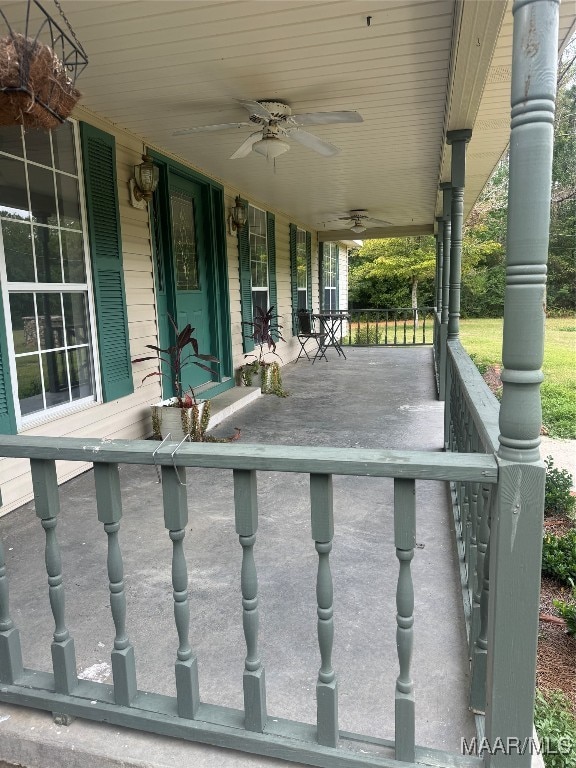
[(184, 242), (29, 384), (18, 251)]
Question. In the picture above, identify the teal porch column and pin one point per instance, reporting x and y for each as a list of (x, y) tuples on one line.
[(516, 530), (458, 140), (446, 188), (440, 262)]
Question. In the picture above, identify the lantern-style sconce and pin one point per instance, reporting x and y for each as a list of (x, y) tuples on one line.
[(238, 216), (144, 183)]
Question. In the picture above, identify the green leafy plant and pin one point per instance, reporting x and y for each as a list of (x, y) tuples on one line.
[(183, 352), (558, 498), (559, 556), (367, 335), (265, 330), (556, 728), (567, 609)]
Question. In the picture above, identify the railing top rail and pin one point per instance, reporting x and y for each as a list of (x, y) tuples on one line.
[(426, 465), (482, 403)]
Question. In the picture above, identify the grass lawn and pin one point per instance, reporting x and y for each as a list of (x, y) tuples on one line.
[(483, 339)]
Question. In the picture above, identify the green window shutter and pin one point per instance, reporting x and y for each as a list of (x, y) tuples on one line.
[(338, 279), (272, 290), (99, 158), (321, 275), (309, 268), (245, 283), (7, 414), (293, 277)]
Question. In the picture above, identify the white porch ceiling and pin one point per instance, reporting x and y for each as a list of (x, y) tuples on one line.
[(420, 67)]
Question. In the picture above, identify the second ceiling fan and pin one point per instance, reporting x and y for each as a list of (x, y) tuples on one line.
[(276, 122)]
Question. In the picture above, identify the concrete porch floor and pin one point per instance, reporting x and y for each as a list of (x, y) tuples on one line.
[(378, 398)]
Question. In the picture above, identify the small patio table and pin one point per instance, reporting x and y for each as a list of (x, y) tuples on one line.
[(331, 323)]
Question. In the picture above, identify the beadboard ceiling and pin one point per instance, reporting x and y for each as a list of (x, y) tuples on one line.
[(412, 68)]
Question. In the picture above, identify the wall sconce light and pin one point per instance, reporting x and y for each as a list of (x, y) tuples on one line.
[(238, 216), (144, 183)]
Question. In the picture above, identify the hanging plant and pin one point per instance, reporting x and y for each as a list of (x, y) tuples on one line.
[(37, 78)]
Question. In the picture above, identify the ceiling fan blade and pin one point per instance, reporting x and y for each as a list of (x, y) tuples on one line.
[(217, 127), (255, 108), (246, 147), (321, 118), (376, 222), (313, 142)]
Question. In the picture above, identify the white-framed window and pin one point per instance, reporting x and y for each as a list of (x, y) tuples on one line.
[(301, 269), (330, 276), (46, 289), (259, 273)]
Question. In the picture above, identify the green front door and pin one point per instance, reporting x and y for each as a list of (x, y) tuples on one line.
[(187, 271)]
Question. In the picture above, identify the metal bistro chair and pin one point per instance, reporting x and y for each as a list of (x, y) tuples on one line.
[(306, 332)]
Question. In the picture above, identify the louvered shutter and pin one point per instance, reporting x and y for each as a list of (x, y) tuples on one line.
[(7, 415), (272, 290), (99, 158), (245, 283), (294, 277), (309, 269)]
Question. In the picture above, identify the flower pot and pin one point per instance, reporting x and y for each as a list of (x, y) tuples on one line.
[(169, 419)]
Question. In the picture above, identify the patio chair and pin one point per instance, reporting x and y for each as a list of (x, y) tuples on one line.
[(306, 331)]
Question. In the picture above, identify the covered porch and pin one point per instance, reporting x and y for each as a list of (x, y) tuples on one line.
[(382, 400)]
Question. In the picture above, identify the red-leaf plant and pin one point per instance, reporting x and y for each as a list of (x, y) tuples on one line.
[(265, 324), (185, 342)]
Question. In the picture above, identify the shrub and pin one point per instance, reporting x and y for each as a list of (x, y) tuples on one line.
[(559, 556), (556, 728), (558, 499), (367, 335), (567, 609)]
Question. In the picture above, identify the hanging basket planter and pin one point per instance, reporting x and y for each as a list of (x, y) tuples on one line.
[(38, 78)]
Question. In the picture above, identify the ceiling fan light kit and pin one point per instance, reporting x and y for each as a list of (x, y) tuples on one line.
[(270, 147), (357, 228)]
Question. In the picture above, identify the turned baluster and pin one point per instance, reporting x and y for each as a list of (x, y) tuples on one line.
[(45, 485), (404, 540), (254, 681), (10, 651), (322, 513), (479, 656), (109, 505), (175, 521)]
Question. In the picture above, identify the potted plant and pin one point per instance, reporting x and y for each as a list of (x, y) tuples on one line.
[(182, 415), (263, 329)]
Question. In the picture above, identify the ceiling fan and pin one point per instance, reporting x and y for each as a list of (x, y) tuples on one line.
[(358, 219), (276, 121)]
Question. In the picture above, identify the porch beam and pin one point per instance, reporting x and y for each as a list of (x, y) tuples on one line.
[(516, 534)]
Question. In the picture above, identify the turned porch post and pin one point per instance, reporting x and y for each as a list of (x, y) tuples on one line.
[(516, 532), (439, 261), (458, 140), (446, 188)]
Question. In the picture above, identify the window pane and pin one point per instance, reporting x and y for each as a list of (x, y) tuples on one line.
[(73, 255), (259, 299), (47, 245), (29, 384), (302, 299), (18, 251), (80, 373), (38, 147), (23, 322), (42, 196), (75, 316), (55, 378), (63, 146), (11, 140), (68, 201), (50, 320), (184, 239), (13, 196)]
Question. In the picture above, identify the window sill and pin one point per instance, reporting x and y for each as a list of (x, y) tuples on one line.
[(44, 417)]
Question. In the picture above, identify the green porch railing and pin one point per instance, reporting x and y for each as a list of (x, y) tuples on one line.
[(390, 327), (186, 716), (471, 426)]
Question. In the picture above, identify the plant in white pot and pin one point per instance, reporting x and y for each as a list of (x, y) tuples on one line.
[(182, 415), (263, 329)]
